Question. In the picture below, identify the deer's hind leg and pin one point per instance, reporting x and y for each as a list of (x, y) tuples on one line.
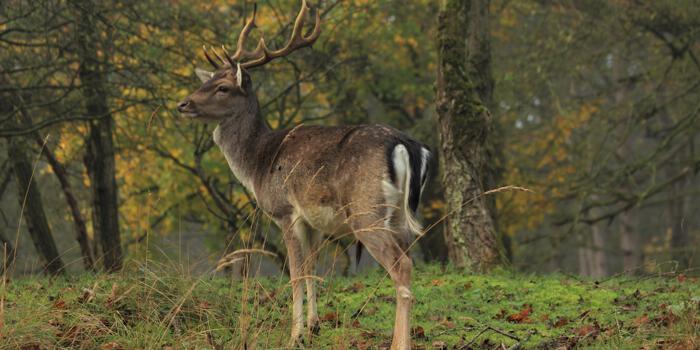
[(384, 244)]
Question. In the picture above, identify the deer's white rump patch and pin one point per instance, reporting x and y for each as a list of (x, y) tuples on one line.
[(398, 193)]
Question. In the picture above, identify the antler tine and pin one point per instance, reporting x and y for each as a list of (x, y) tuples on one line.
[(299, 26), (204, 48), (218, 56), (263, 55), (230, 60), (243, 36)]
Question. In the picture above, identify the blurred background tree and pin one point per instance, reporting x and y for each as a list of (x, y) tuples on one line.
[(594, 108)]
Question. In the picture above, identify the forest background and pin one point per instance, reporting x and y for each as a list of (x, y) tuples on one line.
[(595, 111)]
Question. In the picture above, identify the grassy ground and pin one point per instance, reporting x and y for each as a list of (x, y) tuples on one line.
[(155, 309)]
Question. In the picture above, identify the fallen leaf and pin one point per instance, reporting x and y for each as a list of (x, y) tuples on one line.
[(439, 344), (332, 318), (370, 311), (561, 322), (59, 304), (628, 307), (356, 323), (640, 321), (111, 346), (356, 287), (611, 332), (522, 316), (437, 283), (368, 334), (666, 319), (587, 330), (681, 278), (447, 323), (418, 332), (360, 344)]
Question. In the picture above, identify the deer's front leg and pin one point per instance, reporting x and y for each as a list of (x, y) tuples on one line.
[(293, 240)]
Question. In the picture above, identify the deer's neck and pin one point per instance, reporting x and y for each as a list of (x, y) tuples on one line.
[(238, 137)]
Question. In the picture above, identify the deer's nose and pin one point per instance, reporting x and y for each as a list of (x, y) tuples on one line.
[(182, 106)]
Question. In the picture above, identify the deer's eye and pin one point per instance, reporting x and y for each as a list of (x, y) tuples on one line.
[(222, 88)]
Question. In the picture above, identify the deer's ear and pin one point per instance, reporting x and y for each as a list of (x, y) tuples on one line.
[(239, 78), (203, 75)]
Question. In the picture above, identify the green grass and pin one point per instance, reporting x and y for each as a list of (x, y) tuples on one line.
[(161, 309)]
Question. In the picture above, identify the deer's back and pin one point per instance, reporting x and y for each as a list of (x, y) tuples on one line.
[(323, 173)]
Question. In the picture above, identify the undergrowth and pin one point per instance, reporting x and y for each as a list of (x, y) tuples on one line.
[(158, 308)]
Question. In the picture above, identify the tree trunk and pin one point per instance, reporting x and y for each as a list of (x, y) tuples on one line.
[(464, 88), (29, 197), (33, 212), (678, 221), (7, 254), (80, 229), (629, 235), (100, 147), (599, 257), (7, 250), (594, 248), (584, 258), (631, 258)]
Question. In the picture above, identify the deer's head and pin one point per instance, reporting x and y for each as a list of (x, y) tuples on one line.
[(228, 89)]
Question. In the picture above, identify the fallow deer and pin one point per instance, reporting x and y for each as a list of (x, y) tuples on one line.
[(364, 179)]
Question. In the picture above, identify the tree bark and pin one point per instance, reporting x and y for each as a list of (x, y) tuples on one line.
[(7, 250), (584, 258), (629, 243), (629, 235), (599, 252), (678, 222), (33, 213), (464, 89), (80, 229), (100, 147), (7, 254)]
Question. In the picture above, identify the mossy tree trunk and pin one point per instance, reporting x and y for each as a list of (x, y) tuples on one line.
[(464, 89)]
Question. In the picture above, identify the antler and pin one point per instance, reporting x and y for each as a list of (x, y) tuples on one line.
[(262, 54)]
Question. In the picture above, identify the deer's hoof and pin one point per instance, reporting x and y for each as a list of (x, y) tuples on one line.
[(296, 342), (315, 328)]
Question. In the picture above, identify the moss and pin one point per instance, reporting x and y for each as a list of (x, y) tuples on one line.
[(163, 308)]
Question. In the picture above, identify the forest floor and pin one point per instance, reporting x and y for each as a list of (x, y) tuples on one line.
[(152, 308)]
